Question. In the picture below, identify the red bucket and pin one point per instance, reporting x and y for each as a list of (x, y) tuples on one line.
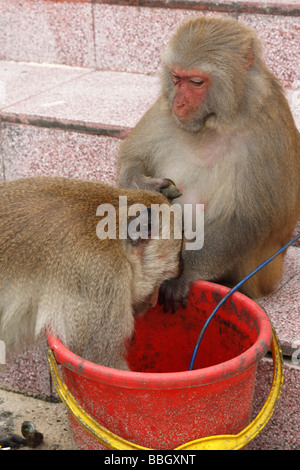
[(160, 404)]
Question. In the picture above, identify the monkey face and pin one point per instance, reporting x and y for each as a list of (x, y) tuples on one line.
[(190, 90), (188, 99)]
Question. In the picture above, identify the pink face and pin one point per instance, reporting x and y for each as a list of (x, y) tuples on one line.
[(190, 88)]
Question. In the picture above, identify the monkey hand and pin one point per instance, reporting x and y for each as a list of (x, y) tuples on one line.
[(172, 292), (170, 191), (163, 185)]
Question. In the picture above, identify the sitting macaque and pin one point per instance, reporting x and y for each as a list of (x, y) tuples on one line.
[(59, 269), (222, 130)]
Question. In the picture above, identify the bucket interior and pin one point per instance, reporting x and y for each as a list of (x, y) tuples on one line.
[(164, 342)]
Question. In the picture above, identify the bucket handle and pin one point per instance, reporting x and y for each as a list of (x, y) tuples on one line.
[(221, 442)]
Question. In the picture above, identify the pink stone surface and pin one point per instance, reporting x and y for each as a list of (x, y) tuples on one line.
[(27, 371), (283, 305), (283, 309), (132, 39), (45, 31), (282, 432), (142, 33), (80, 95), (33, 151), (280, 38), (296, 231), (125, 38), (20, 80)]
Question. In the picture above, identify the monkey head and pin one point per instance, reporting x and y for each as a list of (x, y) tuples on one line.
[(205, 71), (154, 250)]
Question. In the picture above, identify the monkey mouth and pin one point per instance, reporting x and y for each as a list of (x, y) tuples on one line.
[(184, 118), (189, 124), (192, 123)]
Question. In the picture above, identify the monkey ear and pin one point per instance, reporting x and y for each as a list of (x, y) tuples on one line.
[(249, 55), (143, 226)]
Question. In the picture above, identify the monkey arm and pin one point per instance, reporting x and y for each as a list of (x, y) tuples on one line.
[(137, 162), (134, 169), (134, 173)]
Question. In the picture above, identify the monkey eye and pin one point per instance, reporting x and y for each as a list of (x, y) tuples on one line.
[(197, 81)]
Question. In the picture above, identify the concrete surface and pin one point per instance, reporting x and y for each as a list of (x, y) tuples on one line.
[(49, 418)]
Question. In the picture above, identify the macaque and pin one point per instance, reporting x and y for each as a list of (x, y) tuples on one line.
[(222, 130), (58, 273)]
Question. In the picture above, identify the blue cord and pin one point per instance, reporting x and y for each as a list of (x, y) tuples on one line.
[(235, 288)]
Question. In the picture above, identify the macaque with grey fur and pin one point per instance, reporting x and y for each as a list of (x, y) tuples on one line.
[(56, 273), (222, 130)]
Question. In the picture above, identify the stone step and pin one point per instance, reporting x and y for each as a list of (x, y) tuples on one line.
[(59, 119), (37, 101), (129, 35)]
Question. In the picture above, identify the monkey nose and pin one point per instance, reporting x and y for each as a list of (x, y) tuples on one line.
[(178, 103), (180, 110), (178, 107)]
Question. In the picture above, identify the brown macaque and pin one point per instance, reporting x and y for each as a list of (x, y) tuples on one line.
[(58, 269), (222, 130)]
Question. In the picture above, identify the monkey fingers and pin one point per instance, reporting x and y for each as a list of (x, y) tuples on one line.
[(172, 292), (162, 185), (170, 191)]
